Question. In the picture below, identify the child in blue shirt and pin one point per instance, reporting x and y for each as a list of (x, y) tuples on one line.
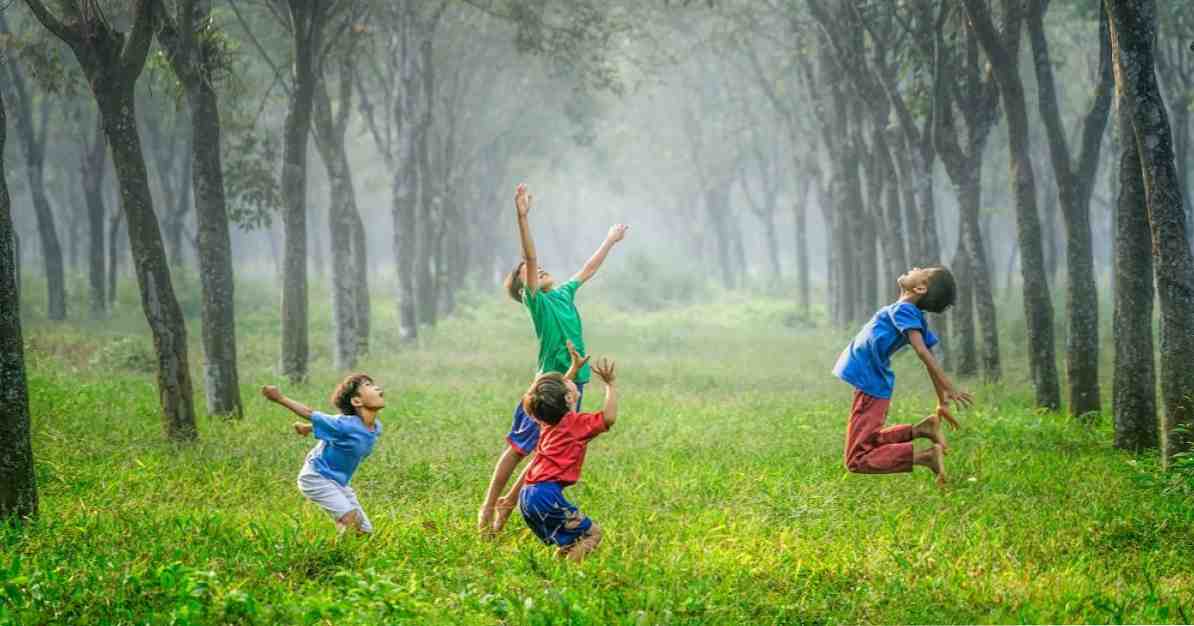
[(343, 441), (866, 364)]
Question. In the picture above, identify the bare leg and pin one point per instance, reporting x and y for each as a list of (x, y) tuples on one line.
[(930, 428), (934, 459), (506, 464), (350, 520)]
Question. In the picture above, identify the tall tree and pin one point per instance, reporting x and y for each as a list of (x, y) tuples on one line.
[(112, 61), (1134, 387), (32, 136), (94, 164), (1075, 181), (193, 50), (1133, 40), (349, 268), (1003, 51), (18, 486), (974, 95)]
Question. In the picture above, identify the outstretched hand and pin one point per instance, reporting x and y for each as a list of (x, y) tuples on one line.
[(522, 200), (605, 371), (617, 232), (959, 398), (271, 392), (302, 429), (577, 360)]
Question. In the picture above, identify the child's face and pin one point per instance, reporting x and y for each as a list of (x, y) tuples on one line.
[(369, 396), (572, 395), (915, 280), (546, 282)]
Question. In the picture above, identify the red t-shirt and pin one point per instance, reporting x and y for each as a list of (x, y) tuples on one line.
[(561, 449)]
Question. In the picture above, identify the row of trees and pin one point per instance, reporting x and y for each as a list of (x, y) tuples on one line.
[(884, 118)]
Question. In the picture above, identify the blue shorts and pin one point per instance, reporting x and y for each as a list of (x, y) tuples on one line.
[(552, 518), (524, 431)]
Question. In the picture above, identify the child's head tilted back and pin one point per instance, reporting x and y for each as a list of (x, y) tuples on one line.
[(517, 279), (547, 399), (934, 286), (350, 389)]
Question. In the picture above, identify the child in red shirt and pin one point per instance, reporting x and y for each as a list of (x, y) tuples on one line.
[(565, 434)]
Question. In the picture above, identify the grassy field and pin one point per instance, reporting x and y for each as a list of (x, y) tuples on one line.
[(721, 489)]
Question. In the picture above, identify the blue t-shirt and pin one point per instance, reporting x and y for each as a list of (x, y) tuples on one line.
[(344, 441), (866, 362)]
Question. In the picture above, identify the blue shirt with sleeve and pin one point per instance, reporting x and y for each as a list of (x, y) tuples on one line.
[(866, 362), (344, 441)]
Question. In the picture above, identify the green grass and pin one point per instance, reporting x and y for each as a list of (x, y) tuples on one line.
[(721, 489)]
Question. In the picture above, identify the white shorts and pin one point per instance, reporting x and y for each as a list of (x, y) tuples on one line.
[(338, 500)]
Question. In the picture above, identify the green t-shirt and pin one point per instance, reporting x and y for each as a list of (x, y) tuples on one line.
[(556, 321)]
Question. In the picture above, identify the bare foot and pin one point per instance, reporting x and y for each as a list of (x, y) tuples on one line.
[(501, 513), (930, 427), (936, 462)]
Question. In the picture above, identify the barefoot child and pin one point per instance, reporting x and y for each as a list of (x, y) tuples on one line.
[(343, 442), (558, 459), (556, 322), (866, 364)]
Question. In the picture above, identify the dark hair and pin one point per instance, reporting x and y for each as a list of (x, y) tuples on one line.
[(942, 290), (347, 390), (546, 400), (513, 282)]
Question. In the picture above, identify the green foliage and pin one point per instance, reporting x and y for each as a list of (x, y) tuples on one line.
[(721, 489)]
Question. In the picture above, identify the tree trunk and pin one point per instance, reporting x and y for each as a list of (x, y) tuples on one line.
[(18, 485), (1134, 387), (1133, 35), (800, 217), (153, 275), (361, 297), (214, 255), (305, 44), (1038, 310), (969, 190), (33, 143), (716, 207), (966, 355), (114, 228), (427, 228), (1073, 187), (342, 218), (893, 238), (94, 162)]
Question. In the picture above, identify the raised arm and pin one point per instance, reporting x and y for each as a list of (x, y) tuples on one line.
[(272, 393), (522, 205), (941, 383), (616, 233), (577, 361), (605, 371)]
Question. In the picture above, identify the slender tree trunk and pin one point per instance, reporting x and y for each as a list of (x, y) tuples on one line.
[(18, 485), (94, 162), (969, 190), (114, 227), (1133, 35), (342, 218), (305, 44), (1082, 302), (1038, 310), (427, 228), (800, 217), (361, 297), (716, 206), (215, 255), (966, 361), (33, 143), (893, 237), (153, 275), (1134, 388)]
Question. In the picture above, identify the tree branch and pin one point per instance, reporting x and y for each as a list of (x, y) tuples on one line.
[(52, 24)]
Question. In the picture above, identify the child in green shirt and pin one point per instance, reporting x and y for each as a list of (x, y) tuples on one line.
[(557, 322)]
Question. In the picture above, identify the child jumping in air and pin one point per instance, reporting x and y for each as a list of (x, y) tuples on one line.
[(866, 364), (556, 320), (343, 441), (565, 435)]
